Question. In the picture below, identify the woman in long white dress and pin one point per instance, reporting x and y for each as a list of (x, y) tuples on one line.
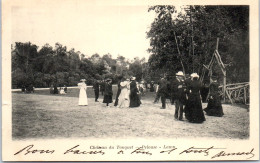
[(123, 99), (83, 99)]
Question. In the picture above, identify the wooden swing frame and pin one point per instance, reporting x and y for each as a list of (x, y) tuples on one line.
[(217, 58)]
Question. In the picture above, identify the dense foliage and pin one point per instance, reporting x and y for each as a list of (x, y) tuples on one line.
[(172, 33), (47, 65), (183, 40)]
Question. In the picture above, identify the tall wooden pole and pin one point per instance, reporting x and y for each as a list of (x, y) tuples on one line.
[(224, 86), (192, 44), (217, 44), (183, 69), (224, 76)]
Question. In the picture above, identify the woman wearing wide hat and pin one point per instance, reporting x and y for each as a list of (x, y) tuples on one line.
[(134, 98), (214, 107), (123, 99), (193, 108), (108, 92), (83, 98)]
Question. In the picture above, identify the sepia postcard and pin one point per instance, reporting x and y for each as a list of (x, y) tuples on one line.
[(111, 80)]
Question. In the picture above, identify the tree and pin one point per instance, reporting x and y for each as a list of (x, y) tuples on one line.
[(121, 65), (74, 60), (136, 68), (44, 54), (23, 60), (95, 58), (109, 62), (191, 36), (162, 41), (61, 58)]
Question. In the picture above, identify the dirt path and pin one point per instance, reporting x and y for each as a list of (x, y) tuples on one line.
[(41, 116)]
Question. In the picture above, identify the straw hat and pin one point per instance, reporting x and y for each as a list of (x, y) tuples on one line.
[(180, 73), (214, 78), (82, 80), (133, 78), (194, 75)]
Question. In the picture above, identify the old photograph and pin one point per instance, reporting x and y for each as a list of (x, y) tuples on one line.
[(82, 70)]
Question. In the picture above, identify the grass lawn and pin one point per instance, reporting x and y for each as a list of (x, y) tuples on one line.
[(41, 115)]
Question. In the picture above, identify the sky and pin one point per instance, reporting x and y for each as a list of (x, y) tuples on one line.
[(90, 29)]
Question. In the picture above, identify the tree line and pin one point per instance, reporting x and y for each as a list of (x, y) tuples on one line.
[(179, 40), (48, 65)]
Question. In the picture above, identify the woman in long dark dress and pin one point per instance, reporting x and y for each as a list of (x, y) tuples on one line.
[(55, 91), (152, 87), (204, 92), (187, 108), (193, 109), (214, 107), (108, 92), (134, 98)]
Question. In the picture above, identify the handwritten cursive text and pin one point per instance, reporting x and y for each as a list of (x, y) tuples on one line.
[(223, 153), (199, 150), (28, 150), (141, 151), (73, 150)]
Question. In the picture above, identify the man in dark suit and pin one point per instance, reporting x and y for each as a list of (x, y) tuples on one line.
[(102, 87), (157, 96), (65, 89), (179, 95), (152, 86), (118, 90), (96, 90), (162, 91), (55, 89)]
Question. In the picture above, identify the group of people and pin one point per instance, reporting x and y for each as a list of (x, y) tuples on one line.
[(183, 91), (28, 89), (128, 93), (185, 95), (54, 89)]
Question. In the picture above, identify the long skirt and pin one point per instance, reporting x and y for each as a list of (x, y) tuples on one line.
[(193, 109), (123, 99), (204, 93), (214, 107), (83, 99), (134, 100), (107, 99)]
